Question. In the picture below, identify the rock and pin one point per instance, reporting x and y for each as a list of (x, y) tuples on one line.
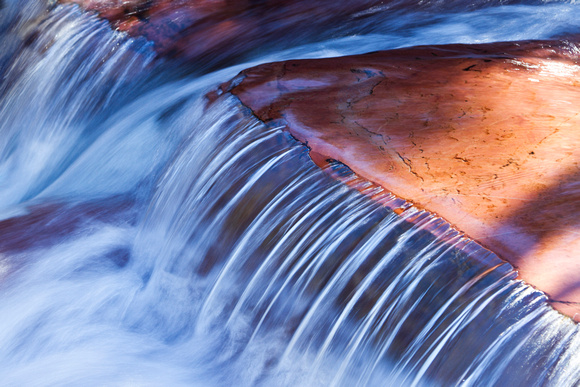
[(483, 135), (214, 33)]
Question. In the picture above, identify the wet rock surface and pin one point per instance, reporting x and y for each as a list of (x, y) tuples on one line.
[(483, 135), (217, 32), (213, 32)]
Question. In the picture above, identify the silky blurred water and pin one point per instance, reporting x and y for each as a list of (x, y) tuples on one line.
[(150, 237)]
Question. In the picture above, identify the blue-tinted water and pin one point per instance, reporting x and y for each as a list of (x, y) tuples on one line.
[(150, 239)]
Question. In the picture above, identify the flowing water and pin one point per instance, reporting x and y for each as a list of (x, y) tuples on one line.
[(149, 237)]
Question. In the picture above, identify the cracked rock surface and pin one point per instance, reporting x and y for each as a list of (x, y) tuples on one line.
[(486, 136)]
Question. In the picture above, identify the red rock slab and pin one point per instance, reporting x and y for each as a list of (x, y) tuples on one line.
[(486, 136)]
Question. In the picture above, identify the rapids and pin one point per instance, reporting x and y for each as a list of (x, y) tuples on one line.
[(151, 237)]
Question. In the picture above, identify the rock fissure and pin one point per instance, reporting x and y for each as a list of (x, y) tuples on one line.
[(371, 133), (409, 164), (511, 169)]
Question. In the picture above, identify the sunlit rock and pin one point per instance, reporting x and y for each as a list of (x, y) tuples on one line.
[(483, 135)]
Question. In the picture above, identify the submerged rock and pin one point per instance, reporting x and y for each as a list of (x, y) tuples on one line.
[(483, 135)]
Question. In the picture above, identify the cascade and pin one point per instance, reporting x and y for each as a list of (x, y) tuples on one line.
[(150, 235)]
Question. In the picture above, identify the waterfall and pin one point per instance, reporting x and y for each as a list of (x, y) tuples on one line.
[(149, 236)]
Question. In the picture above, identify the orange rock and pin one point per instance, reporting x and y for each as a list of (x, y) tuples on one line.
[(485, 136)]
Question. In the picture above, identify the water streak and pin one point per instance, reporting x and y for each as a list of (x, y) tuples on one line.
[(151, 237)]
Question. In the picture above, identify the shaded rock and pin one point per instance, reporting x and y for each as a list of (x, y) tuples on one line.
[(48, 224), (213, 33), (483, 135)]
